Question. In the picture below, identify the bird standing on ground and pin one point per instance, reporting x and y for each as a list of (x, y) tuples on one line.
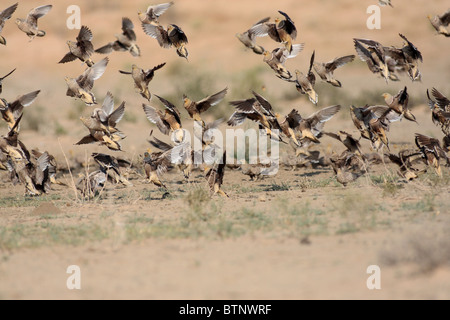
[(5, 15), (126, 41), (82, 48), (29, 24), (142, 78)]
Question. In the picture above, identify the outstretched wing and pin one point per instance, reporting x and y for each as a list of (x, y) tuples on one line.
[(37, 13)]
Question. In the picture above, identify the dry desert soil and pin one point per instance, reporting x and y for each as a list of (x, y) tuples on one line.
[(296, 235)]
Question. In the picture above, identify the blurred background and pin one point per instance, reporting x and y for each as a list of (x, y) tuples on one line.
[(216, 60)]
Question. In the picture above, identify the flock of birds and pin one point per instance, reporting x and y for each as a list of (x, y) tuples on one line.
[(38, 170)]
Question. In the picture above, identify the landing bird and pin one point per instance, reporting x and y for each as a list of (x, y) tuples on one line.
[(404, 162), (215, 175), (399, 103), (112, 166), (440, 110), (29, 24), (257, 109), (431, 151), (168, 122), (105, 119)]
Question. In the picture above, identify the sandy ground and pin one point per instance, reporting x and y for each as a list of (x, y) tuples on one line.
[(259, 264)]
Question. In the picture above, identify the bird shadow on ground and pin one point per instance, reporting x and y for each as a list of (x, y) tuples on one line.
[(312, 173)]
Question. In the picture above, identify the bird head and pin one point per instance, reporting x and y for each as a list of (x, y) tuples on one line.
[(142, 15), (186, 100), (266, 54)]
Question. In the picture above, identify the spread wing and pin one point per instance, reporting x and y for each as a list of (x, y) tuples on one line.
[(211, 100), (127, 28), (37, 13), (153, 116)]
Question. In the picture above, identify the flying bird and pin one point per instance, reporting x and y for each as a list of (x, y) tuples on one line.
[(168, 122), (12, 111), (81, 49), (142, 78), (195, 108), (215, 175), (399, 103), (431, 151), (81, 87), (305, 83), (277, 59), (440, 23), (105, 119), (153, 12), (126, 41), (325, 70), (173, 36), (248, 38), (282, 30), (29, 24)]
